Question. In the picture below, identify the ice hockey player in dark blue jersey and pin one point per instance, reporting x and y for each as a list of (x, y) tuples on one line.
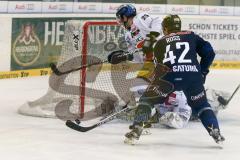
[(178, 51)]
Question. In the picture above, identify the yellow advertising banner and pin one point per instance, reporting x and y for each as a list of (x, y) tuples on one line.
[(225, 65), (47, 71), (25, 73)]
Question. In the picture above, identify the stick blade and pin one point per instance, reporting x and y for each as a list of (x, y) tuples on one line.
[(54, 69), (79, 128)]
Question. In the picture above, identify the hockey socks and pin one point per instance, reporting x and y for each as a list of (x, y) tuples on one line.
[(210, 122)]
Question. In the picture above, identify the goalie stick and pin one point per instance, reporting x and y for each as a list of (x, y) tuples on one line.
[(224, 101), (56, 71), (76, 126)]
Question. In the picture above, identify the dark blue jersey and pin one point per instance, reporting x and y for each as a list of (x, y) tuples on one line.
[(179, 52)]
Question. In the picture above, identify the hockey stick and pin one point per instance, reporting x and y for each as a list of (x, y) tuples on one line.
[(59, 73), (224, 101), (76, 126)]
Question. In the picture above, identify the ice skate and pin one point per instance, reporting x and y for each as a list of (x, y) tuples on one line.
[(147, 125), (146, 128), (133, 135), (150, 123), (218, 138)]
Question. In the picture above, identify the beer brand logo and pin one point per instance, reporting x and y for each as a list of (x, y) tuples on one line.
[(26, 47)]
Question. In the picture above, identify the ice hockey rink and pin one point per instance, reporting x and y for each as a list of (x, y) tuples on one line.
[(31, 138)]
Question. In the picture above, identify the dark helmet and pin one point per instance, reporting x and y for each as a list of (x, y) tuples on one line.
[(127, 10), (172, 23)]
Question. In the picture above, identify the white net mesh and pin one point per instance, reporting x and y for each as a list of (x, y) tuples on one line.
[(85, 42)]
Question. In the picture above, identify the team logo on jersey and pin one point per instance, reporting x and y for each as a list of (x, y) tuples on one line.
[(26, 47), (197, 97), (135, 37), (134, 30)]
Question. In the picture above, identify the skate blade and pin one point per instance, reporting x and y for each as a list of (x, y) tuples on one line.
[(129, 141), (220, 143)]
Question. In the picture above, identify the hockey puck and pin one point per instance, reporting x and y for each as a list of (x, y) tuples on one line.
[(77, 121)]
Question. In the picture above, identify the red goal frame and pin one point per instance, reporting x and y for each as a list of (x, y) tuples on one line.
[(84, 58)]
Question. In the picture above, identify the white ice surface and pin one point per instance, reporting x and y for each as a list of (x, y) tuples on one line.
[(30, 138)]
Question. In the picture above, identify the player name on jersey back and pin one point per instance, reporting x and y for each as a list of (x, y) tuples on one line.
[(177, 52), (173, 38), (184, 68)]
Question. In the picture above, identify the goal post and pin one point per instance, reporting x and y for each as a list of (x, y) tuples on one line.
[(83, 40), (86, 44)]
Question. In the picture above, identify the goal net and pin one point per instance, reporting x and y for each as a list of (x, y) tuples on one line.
[(85, 42)]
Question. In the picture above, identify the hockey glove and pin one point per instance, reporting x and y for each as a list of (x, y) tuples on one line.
[(149, 41), (119, 56)]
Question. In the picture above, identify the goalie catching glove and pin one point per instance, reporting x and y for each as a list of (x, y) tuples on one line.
[(119, 56)]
